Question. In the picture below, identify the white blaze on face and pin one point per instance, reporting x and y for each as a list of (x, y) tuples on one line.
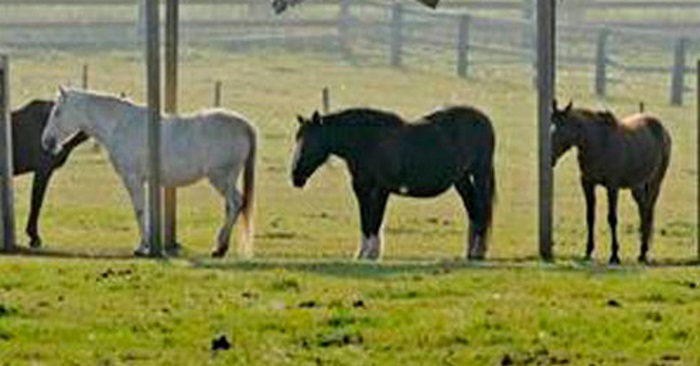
[(552, 129), (297, 153)]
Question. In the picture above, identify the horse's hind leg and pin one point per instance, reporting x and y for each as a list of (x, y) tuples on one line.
[(589, 193), (39, 186), (226, 186), (613, 194), (465, 188), (646, 197)]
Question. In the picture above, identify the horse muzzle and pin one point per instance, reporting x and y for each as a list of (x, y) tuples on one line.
[(50, 144), (299, 181)]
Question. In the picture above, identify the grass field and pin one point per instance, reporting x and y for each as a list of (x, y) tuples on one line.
[(303, 300)]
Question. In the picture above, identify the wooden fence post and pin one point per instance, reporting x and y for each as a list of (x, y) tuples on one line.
[(463, 46), (7, 224), (217, 94), (86, 77), (153, 130), (601, 63), (326, 96), (546, 29), (396, 34), (678, 72), (344, 20)]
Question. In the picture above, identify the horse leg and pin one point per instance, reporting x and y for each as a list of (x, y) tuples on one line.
[(484, 189), (646, 202), (589, 193), (613, 193), (234, 200), (135, 188), (465, 188), (39, 186), (372, 203)]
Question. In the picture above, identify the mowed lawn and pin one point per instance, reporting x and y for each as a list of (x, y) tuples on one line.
[(303, 300)]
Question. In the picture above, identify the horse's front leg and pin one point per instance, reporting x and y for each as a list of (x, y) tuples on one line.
[(613, 193), (372, 202), (39, 186), (589, 193), (135, 187)]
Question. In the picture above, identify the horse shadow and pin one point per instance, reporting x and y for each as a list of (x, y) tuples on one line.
[(420, 266)]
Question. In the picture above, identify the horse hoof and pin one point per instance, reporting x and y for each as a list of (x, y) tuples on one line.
[(218, 253), (141, 251), (35, 243), (643, 260), (173, 250), (615, 261), (475, 257)]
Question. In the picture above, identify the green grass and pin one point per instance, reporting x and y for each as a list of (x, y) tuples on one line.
[(86, 301)]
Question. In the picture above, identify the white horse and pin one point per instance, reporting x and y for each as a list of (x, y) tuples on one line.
[(213, 144)]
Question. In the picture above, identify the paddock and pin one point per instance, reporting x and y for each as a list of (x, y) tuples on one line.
[(302, 299)]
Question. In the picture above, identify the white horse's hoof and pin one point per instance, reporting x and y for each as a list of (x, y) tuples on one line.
[(142, 251)]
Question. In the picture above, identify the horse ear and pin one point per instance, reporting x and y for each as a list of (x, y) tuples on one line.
[(555, 105), (301, 120), (569, 106), (316, 118), (62, 90)]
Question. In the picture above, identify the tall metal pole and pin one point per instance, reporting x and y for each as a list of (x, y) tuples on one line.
[(546, 24), (7, 208), (154, 114), (171, 81), (697, 146)]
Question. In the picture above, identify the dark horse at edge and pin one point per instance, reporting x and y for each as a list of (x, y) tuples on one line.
[(28, 155), (386, 155), (632, 153)]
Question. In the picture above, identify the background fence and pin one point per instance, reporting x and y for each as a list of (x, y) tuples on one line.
[(607, 40)]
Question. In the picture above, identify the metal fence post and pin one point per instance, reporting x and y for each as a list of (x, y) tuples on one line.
[(678, 72), (7, 208), (396, 34), (153, 131), (463, 46), (546, 26), (697, 155), (171, 83)]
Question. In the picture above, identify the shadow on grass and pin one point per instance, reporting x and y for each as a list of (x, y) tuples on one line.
[(348, 268), (415, 266), (97, 254)]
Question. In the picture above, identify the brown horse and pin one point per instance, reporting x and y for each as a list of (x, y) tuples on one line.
[(630, 153), (452, 147)]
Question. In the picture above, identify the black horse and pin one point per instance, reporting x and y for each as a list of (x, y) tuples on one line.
[(28, 124), (385, 154)]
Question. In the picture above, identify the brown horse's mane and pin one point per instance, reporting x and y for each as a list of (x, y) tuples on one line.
[(605, 117)]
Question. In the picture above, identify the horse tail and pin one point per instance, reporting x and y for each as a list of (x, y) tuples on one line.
[(248, 201)]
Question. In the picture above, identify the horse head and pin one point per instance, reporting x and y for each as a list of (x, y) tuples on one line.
[(62, 123), (564, 130), (311, 149)]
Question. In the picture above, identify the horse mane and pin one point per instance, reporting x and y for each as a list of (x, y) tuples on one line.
[(605, 117), (361, 117)]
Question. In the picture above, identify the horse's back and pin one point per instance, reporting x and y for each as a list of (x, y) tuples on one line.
[(28, 123), (205, 142), (468, 128)]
